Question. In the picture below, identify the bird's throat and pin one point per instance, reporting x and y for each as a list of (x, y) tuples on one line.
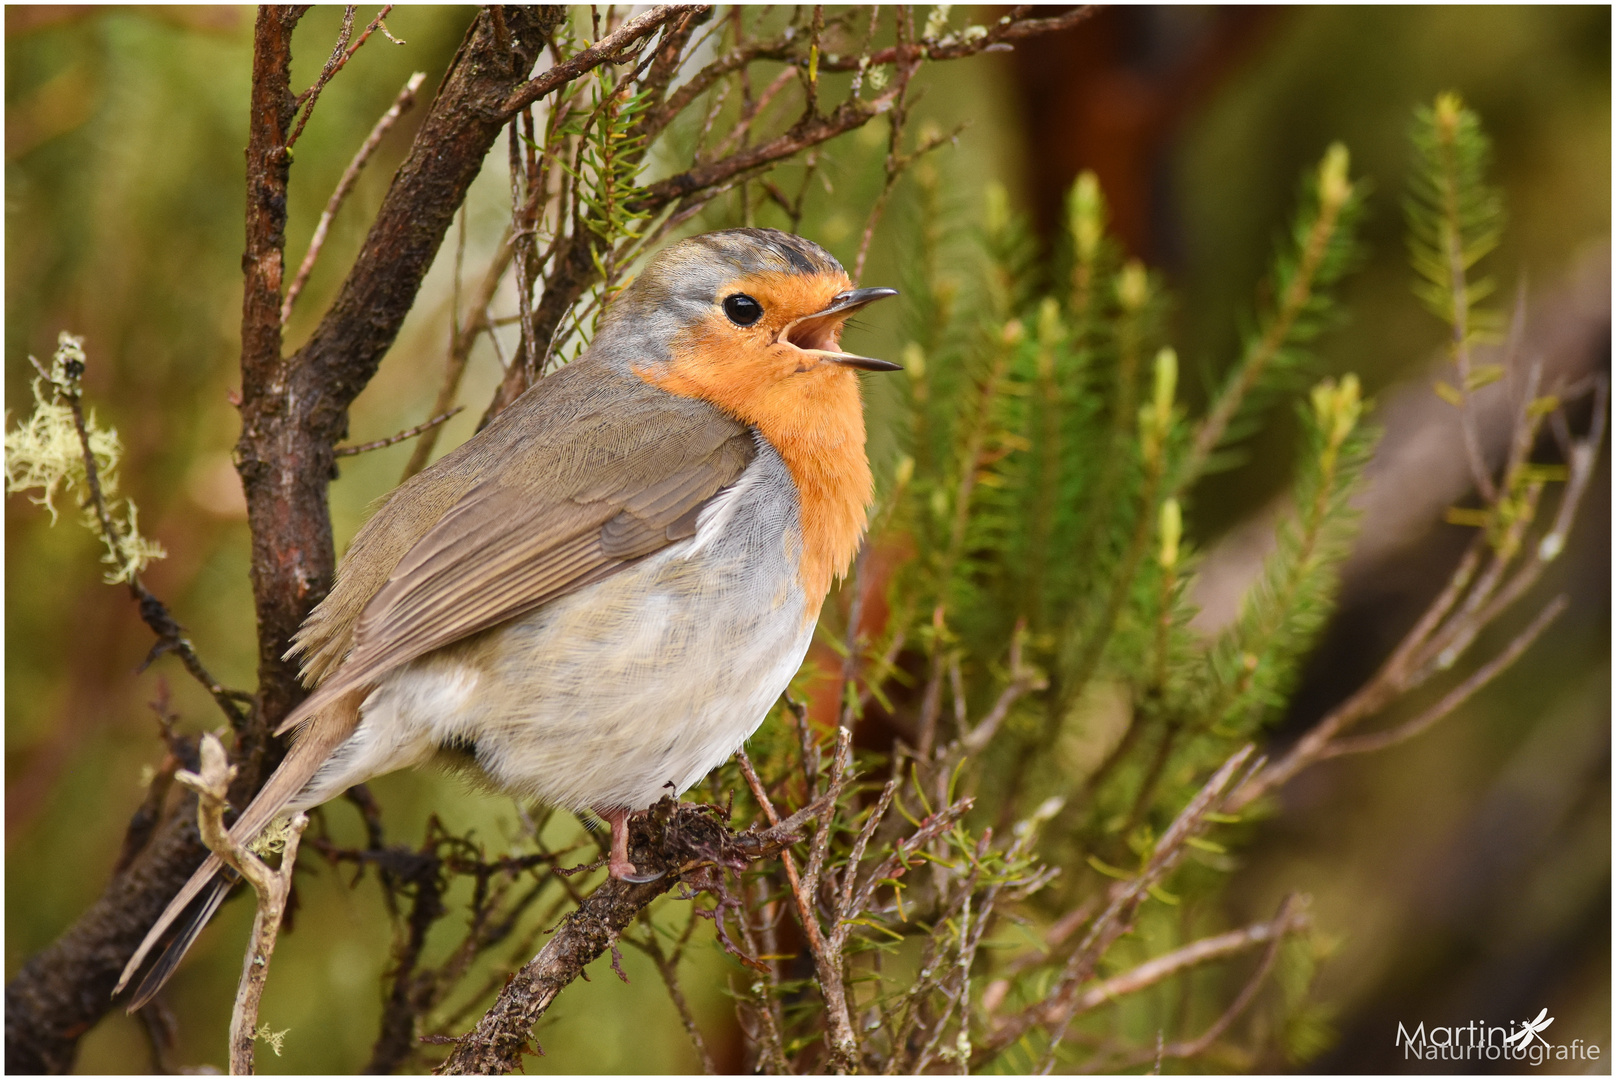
[(815, 421)]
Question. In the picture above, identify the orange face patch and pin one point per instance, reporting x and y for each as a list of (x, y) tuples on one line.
[(810, 411)]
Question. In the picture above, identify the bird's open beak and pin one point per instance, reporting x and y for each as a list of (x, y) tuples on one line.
[(812, 333)]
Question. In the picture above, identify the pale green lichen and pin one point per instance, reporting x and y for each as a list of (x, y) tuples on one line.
[(275, 1039), (44, 454), (272, 841)]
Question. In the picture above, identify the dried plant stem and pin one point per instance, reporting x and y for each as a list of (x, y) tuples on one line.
[(170, 634), (393, 440), (1203, 1042), (340, 55), (685, 839), (1060, 1005), (839, 1036), (465, 336), (608, 49), (350, 176), (1290, 919), (1477, 679), (272, 887), (1466, 605), (668, 967)]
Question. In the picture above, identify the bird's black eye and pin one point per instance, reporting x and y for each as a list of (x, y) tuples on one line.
[(742, 309)]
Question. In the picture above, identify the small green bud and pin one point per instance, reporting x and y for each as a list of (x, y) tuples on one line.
[(1334, 186), (1448, 112), (1337, 407), (1133, 286), (1085, 214), (1050, 327), (904, 472), (1166, 385), (997, 208), (1172, 530), (914, 360)]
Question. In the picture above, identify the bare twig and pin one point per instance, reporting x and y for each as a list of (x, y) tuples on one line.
[(1118, 916), (170, 634), (839, 1035), (1023, 680), (340, 56), (401, 105), (609, 49), (393, 440), (1477, 679), (460, 346), (1201, 1043), (212, 786), (668, 968), (1291, 918), (676, 838)]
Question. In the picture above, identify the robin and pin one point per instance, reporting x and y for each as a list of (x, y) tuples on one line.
[(596, 600)]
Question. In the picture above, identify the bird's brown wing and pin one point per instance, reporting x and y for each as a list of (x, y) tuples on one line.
[(586, 473), (539, 527)]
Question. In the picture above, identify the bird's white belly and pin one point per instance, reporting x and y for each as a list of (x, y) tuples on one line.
[(631, 693), (633, 688)]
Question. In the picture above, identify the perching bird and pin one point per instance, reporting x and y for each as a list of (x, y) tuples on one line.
[(596, 599)]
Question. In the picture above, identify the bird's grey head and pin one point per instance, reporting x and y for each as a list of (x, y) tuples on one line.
[(685, 282)]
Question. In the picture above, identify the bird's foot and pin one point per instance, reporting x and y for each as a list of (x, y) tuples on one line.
[(618, 865)]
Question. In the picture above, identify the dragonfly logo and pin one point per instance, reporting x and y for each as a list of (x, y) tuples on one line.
[(1532, 1029), (1477, 1041)]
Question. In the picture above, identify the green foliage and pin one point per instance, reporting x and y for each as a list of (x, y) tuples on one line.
[(1455, 218), (1316, 253), (1041, 489)]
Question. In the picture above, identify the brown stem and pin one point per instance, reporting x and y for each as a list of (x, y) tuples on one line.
[(402, 436), (350, 176), (609, 49), (675, 838), (293, 412)]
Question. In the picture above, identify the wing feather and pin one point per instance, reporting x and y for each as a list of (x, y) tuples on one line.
[(558, 512)]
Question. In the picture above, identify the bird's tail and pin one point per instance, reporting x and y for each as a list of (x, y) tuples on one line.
[(217, 889), (328, 729)]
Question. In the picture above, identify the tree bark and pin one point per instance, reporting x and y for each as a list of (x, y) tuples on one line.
[(294, 411)]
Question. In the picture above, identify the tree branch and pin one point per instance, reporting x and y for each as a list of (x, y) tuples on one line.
[(673, 837), (609, 49), (350, 176), (272, 887), (294, 411)]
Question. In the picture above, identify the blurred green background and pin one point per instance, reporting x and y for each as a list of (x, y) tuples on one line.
[(1465, 875)]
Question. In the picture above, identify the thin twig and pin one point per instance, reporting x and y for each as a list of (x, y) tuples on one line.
[(1203, 1042), (1291, 918), (212, 786), (170, 634), (460, 349), (668, 968), (1118, 916), (407, 433), (401, 105), (339, 59), (1479, 678), (608, 49)]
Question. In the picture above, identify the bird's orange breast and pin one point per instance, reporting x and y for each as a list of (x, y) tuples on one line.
[(813, 418)]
